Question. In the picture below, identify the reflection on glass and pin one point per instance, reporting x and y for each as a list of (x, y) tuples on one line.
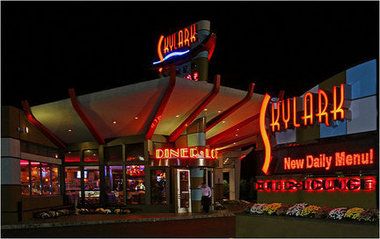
[(135, 184), (72, 182), (134, 152), (91, 185), (158, 187), (113, 154), (46, 182), (24, 177), (114, 182), (72, 157), (90, 155), (36, 178), (55, 183)]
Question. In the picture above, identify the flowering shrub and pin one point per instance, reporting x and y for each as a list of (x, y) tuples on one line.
[(370, 215), (296, 209), (314, 211), (271, 208), (257, 208), (281, 211), (354, 213), (310, 211), (337, 213)]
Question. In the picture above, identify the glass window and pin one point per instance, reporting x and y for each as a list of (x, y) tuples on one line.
[(24, 177), (91, 185), (90, 155), (72, 157), (158, 186), (134, 152), (72, 182), (135, 184), (36, 178), (46, 179), (113, 154), (115, 184), (55, 182)]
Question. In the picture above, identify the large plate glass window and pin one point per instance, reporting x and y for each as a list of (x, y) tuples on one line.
[(72, 183), (25, 177), (135, 184), (35, 178), (158, 184), (91, 185)]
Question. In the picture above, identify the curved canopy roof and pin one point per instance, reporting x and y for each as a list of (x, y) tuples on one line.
[(128, 110)]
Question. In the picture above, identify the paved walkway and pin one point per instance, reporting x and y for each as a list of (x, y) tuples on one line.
[(94, 219)]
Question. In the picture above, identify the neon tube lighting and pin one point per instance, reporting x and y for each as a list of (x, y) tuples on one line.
[(178, 53)]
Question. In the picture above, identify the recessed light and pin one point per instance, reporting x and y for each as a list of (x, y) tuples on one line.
[(205, 109), (177, 116), (114, 122), (136, 118), (69, 130), (234, 143), (236, 135), (237, 129), (223, 122), (219, 111)]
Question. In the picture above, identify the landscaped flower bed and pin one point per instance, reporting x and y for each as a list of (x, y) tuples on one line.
[(64, 212), (315, 211)]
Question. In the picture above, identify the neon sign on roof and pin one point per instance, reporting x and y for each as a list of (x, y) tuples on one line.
[(176, 44)]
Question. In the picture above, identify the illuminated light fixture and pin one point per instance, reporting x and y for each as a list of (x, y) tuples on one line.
[(234, 143), (69, 130), (170, 55), (205, 109), (136, 118), (219, 111), (56, 156), (114, 122), (236, 135), (237, 129), (223, 121), (177, 116)]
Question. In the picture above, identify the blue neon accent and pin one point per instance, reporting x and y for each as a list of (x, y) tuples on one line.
[(176, 53)]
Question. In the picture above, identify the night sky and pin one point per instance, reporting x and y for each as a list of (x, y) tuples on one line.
[(50, 47)]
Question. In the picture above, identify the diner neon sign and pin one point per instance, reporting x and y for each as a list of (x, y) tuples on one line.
[(284, 112), (176, 41), (186, 152), (325, 161), (331, 184)]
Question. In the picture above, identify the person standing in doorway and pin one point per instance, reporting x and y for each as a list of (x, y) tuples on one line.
[(206, 197)]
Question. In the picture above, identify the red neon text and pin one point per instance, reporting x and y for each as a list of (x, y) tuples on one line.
[(193, 152), (326, 162), (343, 184), (310, 110)]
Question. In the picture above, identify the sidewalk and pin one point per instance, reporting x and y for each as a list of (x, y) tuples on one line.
[(214, 224)]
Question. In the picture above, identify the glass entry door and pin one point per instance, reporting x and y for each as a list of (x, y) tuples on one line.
[(183, 191)]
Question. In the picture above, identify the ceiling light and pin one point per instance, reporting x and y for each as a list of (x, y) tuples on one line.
[(205, 109), (177, 116), (219, 111), (136, 118), (236, 135), (234, 143), (69, 130), (114, 122), (237, 129), (223, 122)]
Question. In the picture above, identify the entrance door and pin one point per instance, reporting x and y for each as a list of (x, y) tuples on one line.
[(183, 192)]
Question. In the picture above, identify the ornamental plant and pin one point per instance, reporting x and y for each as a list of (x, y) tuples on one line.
[(370, 215), (354, 213), (271, 208), (296, 209), (310, 211), (281, 211), (257, 208), (337, 213)]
